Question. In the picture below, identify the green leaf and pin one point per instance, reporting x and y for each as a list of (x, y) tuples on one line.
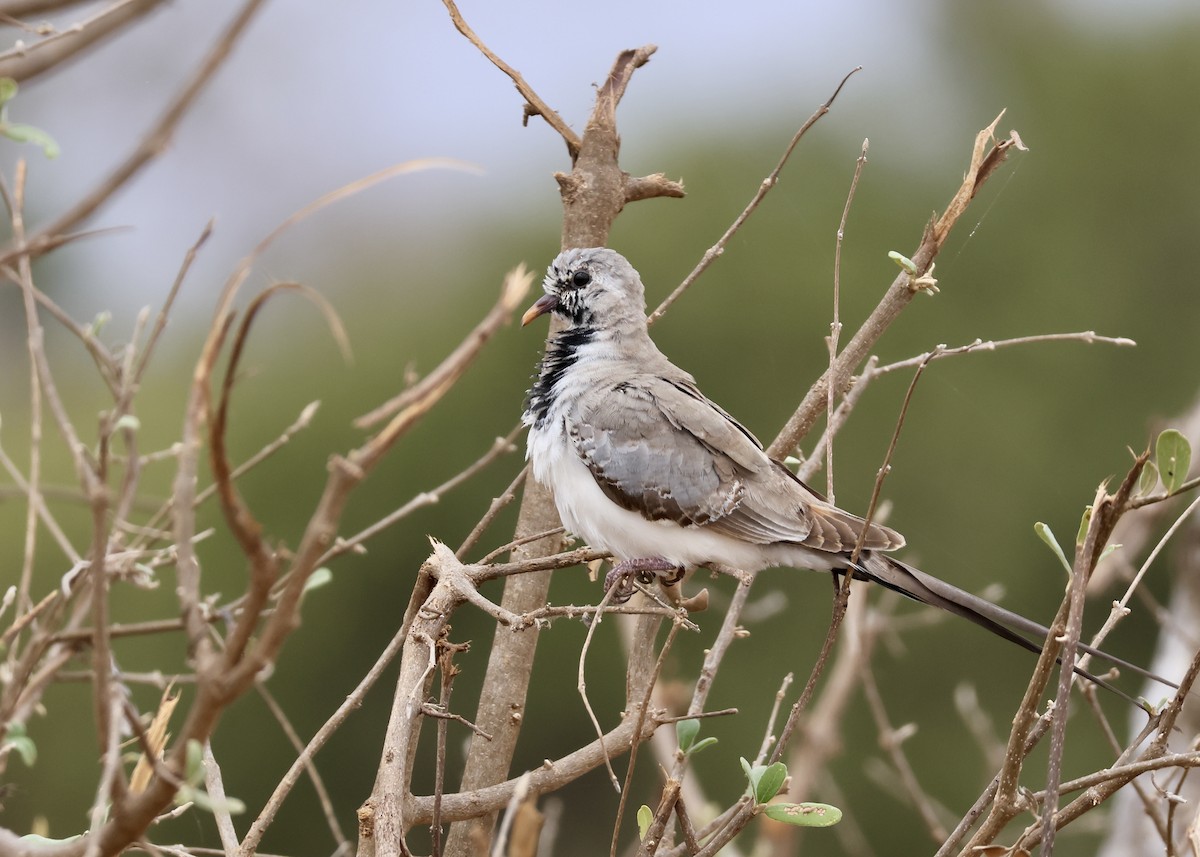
[(903, 261), (36, 840), (28, 134), (1045, 534), (751, 776), (203, 800), (645, 817), (804, 814), (1173, 455), (8, 90), (16, 737), (102, 318), (770, 782), (194, 771), (1085, 521), (1148, 479), (702, 744), (765, 780), (320, 577), (686, 732)]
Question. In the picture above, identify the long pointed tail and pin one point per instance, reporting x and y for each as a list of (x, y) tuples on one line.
[(916, 584)]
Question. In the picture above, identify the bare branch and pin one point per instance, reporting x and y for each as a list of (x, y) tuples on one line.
[(413, 402), (713, 252), (152, 144), (534, 105), (983, 163), (25, 62)]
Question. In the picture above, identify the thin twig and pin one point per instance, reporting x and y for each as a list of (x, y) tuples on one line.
[(506, 496), (512, 545), (835, 326), (534, 104), (26, 61), (685, 824), (643, 707), (151, 145), (314, 776), (500, 446), (986, 156), (215, 787), (160, 321), (448, 671), (834, 425), (1107, 509), (768, 740), (1088, 337), (1120, 607), (885, 468), (716, 250), (581, 685), (891, 740), (351, 704)]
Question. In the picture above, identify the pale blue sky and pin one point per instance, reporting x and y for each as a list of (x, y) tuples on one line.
[(311, 100)]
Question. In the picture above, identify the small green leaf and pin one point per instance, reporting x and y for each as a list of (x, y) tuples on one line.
[(770, 782), (903, 261), (1085, 521), (16, 737), (751, 776), (36, 840), (1173, 455), (194, 771), (1045, 534), (203, 800), (8, 90), (804, 814), (28, 134), (320, 577), (1148, 480), (686, 732), (1108, 549), (645, 817), (102, 318), (702, 744)]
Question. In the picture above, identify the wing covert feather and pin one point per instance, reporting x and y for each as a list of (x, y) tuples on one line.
[(660, 448)]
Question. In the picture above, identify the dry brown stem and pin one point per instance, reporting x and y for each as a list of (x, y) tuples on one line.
[(27, 61), (985, 160)]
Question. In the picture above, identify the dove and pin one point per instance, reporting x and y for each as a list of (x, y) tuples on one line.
[(643, 465)]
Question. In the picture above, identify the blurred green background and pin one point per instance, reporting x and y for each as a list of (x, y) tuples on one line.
[(1089, 230)]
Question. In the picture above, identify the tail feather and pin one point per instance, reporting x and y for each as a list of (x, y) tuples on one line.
[(916, 584)]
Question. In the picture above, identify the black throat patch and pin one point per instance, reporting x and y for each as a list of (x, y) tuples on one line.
[(561, 353)]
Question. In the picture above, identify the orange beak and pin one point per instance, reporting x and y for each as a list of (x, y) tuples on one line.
[(543, 305)]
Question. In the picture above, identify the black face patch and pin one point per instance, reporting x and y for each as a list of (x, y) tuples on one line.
[(572, 301)]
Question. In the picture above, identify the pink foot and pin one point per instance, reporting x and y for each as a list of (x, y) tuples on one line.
[(621, 578)]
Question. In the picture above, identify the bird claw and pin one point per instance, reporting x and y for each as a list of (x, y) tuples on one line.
[(620, 582), (622, 578)]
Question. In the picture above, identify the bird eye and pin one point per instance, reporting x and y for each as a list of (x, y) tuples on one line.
[(580, 279)]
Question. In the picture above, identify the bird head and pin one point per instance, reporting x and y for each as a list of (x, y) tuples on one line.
[(592, 286)]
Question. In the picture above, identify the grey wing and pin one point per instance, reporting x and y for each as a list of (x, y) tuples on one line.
[(659, 447), (645, 461)]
